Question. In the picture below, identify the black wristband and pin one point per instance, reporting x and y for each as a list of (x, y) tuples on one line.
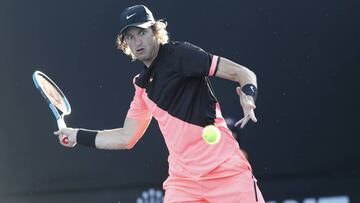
[(251, 90), (86, 137)]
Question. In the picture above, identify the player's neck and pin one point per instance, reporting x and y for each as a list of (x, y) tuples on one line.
[(154, 54)]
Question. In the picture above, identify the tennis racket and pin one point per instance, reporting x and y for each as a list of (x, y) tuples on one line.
[(55, 98)]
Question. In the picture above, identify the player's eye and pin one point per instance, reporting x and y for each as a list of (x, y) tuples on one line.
[(142, 32), (129, 37)]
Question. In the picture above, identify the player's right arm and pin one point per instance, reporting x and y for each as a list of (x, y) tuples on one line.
[(122, 138), (114, 139), (136, 122)]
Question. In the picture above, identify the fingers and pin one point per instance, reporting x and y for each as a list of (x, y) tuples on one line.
[(252, 105), (63, 137), (60, 138), (247, 118), (60, 131), (242, 122), (239, 122), (252, 116), (63, 131)]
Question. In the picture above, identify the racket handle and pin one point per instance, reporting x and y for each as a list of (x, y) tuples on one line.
[(61, 124)]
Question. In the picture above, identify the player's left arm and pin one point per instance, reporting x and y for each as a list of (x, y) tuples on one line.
[(247, 90)]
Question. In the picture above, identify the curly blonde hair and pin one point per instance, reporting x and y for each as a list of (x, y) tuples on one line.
[(161, 34)]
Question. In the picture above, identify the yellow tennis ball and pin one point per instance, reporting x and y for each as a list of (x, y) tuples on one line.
[(211, 134)]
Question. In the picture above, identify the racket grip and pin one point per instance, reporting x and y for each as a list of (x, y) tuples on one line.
[(61, 124)]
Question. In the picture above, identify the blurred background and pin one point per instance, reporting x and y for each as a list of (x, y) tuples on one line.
[(305, 54)]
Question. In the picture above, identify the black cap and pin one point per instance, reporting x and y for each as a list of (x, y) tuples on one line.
[(138, 16)]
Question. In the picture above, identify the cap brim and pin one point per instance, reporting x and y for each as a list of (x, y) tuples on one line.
[(140, 25)]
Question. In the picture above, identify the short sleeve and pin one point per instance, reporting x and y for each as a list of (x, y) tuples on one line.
[(138, 109), (196, 62)]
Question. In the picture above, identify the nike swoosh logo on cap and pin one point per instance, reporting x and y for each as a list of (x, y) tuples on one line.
[(129, 16)]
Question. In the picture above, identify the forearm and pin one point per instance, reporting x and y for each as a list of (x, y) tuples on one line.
[(114, 139), (230, 70)]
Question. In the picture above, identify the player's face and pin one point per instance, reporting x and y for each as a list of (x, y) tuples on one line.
[(142, 43)]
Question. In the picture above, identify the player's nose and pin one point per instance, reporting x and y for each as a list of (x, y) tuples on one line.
[(138, 41)]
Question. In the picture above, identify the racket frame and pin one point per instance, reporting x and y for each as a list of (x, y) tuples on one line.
[(59, 117)]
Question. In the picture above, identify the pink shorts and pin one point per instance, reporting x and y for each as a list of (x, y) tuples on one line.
[(231, 182)]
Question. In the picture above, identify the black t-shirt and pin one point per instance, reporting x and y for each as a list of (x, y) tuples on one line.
[(177, 82)]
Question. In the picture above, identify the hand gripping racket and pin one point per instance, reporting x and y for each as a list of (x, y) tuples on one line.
[(55, 98)]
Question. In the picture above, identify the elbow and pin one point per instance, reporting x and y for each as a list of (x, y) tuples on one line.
[(129, 146), (120, 146), (131, 143), (123, 143), (127, 140)]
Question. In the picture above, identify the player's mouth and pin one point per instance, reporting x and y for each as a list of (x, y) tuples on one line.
[(140, 51)]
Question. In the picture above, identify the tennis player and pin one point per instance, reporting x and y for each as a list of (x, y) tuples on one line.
[(174, 88)]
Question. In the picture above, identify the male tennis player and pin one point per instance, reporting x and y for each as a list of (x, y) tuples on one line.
[(174, 89)]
